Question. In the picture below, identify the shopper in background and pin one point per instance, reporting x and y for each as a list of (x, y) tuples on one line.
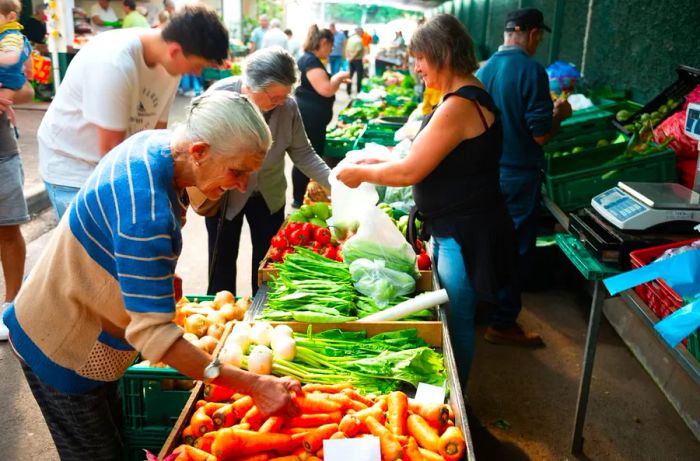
[(520, 88), (13, 206), (256, 37), (338, 51), (268, 79), (274, 36), (169, 6), (293, 44), (35, 27), (133, 79), (108, 277), (355, 52), (103, 16), (453, 168), (315, 96), (163, 18), (133, 17)]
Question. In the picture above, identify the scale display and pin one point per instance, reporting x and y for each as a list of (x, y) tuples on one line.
[(692, 121), (639, 206)]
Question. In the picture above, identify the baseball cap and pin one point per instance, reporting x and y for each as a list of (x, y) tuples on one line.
[(525, 19)]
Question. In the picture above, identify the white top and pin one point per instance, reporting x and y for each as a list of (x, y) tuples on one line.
[(294, 47), (107, 85), (105, 15), (274, 37)]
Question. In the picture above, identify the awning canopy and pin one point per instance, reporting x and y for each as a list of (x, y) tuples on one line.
[(414, 5)]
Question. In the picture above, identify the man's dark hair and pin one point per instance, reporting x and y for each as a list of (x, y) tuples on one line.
[(199, 31), (131, 4)]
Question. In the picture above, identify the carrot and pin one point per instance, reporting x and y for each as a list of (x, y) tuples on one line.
[(195, 454), (390, 447), (327, 388), (242, 405), (350, 425), (403, 439), (319, 453), (204, 442), (286, 458), (346, 403), (314, 458), (314, 439), (255, 457), (300, 452), (313, 420), (254, 418), (296, 441), (201, 423), (435, 415), (214, 393), (231, 442), (188, 435), (430, 455), (224, 416), (244, 426), (296, 430), (411, 451), (452, 413), (199, 403), (272, 424), (315, 403), (397, 412), (353, 394), (211, 407), (424, 434), (376, 411), (451, 444), (338, 435), (181, 453)]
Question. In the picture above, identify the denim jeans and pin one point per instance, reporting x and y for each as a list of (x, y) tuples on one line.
[(61, 197), (462, 305), (521, 189), (336, 63)]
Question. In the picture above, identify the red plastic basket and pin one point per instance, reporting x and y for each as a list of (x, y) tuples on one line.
[(660, 298)]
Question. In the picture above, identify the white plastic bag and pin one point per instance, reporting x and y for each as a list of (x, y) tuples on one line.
[(350, 204), (374, 279), (378, 238)]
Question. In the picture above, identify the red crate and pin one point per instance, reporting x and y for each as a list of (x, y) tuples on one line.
[(660, 298)]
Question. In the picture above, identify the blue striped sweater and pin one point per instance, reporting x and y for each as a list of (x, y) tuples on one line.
[(103, 288)]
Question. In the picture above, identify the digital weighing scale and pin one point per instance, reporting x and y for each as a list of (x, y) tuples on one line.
[(641, 205)]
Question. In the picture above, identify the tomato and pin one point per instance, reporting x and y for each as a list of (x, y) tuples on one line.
[(307, 230), (322, 235), (423, 261), (287, 251), (291, 227), (276, 254), (296, 237), (317, 247), (278, 242), (329, 252), (420, 246)]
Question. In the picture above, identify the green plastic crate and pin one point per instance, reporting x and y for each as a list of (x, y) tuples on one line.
[(584, 121), (573, 181), (616, 106), (378, 135), (694, 345), (134, 445), (586, 140), (212, 73), (338, 147), (585, 262)]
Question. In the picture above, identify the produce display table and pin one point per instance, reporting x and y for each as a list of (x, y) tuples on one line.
[(593, 271)]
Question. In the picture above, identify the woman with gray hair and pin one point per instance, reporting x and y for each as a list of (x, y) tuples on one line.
[(268, 77), (102, 291)]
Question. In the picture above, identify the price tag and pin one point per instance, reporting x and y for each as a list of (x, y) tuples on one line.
[(427, 393), (362, 449)]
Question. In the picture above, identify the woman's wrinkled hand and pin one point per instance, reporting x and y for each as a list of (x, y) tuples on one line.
[(273, 396), (369, 161)]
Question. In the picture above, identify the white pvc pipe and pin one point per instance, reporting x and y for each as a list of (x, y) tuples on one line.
[(420, 302)]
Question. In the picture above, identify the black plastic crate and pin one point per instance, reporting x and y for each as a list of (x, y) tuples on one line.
[(688, 79)]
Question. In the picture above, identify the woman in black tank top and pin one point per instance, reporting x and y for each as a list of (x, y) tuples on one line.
[(453, 167)]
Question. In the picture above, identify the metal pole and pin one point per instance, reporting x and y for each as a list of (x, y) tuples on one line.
[(587, 372), (586, 37)]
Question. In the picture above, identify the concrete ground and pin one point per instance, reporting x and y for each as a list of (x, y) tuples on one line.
[(521, 401)]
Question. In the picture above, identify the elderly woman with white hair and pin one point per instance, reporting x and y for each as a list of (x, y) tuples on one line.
[(102, 290), (268, 77)]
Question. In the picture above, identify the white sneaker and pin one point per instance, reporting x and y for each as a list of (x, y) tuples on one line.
[(4, 332), (190, 94)]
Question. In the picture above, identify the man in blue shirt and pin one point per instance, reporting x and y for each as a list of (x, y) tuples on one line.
[(256, 37), (520, 88), (338, 50)]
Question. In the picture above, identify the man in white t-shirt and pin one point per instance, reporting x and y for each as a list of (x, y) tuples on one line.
[(274, 36), (120, 83), (103, 16)]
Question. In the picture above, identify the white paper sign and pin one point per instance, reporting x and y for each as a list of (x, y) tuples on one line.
[(362, 449), (427, 393)]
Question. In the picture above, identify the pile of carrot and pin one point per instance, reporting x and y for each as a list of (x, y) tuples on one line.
[(227, 426)]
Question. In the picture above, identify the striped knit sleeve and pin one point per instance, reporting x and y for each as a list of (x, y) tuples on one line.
[(146, 245), (12, 42)]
